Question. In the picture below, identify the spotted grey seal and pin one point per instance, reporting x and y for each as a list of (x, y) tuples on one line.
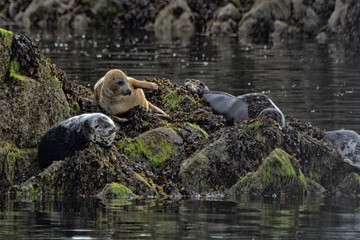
[(117, 93), (238, 108), (63, 139), (347, 145)]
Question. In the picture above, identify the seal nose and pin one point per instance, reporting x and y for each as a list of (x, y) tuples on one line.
[(128, 92)]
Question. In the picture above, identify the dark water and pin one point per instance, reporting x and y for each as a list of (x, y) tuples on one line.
[(313, 82), (207, 219)]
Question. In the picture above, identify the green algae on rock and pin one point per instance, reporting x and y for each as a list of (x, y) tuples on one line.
[(276, 175), (15, 163), (28, 90), (6, 39), (156, 146), (115, 190)]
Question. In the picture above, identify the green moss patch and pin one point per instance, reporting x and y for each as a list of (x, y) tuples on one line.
[(116, 190), (14, 163), (276, 175), (253, 126), (156, 152), (7, 37), (173, 100), (15, 71)]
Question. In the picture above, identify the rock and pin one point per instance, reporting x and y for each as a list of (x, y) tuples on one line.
[(224, 22), (6, 38), (258, 24), (115, 190), (284, 31), (234, 155), (277, 174), (196, 172), (344, 21), (156, 146), (350, 185), (337, 20), (305, 17), (43, 183), (31, 96), (15, 164), (176, 20), (42, 13)]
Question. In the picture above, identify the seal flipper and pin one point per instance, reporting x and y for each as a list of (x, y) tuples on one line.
[(142, 84)]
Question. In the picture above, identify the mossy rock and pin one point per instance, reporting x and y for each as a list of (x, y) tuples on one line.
[(155, 146), (276, 175), (44, 183), (194, 172), (115, 190), (6, 38), (350, 185), (175, 101), (202, 172), (31, 96), (143, 187), (15, 164)]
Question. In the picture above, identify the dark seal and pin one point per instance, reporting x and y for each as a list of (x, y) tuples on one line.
[(66, 137), (238, 108), (347, 145)]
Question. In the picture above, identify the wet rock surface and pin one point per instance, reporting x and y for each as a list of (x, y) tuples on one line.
[(191, 153)]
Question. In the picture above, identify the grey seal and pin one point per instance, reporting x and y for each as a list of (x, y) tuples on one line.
[(63, 139), (347, 145), (238, 108)]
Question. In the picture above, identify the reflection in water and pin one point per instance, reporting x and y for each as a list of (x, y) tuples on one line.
[(88, 219), (313, 82)]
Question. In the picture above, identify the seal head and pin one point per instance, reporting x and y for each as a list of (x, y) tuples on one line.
[(347, 145)]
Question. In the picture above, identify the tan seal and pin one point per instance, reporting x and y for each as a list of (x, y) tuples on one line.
[(117, 93)]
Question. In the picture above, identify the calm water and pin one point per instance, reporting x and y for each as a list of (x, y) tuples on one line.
[(313, 82), (251, 219)]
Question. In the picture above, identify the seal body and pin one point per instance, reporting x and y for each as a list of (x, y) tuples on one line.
[(238, 108), (66, 137), (117, 93), (347, 145), (233, 108)]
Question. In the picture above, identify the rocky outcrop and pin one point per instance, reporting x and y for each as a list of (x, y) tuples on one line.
[(80, 15), (344, 22), (250, 20), (192, 152), (31, 96), (224, 22), (176, 20)]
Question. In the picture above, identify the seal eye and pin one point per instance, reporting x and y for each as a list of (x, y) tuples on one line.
[(120, 82)]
